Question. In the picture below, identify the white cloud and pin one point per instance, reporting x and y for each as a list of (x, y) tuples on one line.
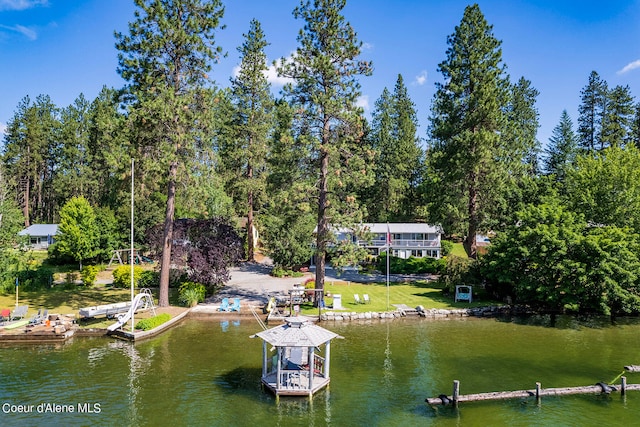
[(363, 102), (630, 66), (22, 4), (275, 79), (367, 46), (421, 78), (27, 32), (271, 74), (3, 129)]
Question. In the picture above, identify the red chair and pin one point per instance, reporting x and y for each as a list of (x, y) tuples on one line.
[(5, 314)]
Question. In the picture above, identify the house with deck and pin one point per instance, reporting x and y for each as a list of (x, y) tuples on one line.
[(41, 236), (404, 240)]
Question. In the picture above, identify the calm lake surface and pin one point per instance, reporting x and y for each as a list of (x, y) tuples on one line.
[(207, 373)]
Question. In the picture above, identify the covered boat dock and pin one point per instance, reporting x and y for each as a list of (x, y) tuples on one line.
[(300, 365)]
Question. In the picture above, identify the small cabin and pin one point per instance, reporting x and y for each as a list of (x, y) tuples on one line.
[(298, 362)]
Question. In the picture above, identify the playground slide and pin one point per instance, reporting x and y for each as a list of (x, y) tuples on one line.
[(137, 302)]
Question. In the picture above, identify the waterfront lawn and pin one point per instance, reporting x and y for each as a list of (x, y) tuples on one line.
[(425, 293)]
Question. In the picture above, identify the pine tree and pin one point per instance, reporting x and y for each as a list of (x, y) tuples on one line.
[(398, 166), (325, 90), (165, 58), (591, 112), (616, 131), (30, 145), (562, 149), (245, 154), (466, 122)]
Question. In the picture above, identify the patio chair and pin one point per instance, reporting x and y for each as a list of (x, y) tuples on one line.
[(357, 298), (19, 312), (36, 317), (5, 314), (236, 305), (366, 299), (225, 305)]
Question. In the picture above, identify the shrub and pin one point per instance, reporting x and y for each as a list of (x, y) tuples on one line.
[(149, 279), (446, 247), (191, 293), (33, 280), (89, 274), (279, 271), (153, 322), (122, 276)]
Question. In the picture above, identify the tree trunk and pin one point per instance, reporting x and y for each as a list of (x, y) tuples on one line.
[(470, 244), (250, 242), (323, 223), (165, 264)]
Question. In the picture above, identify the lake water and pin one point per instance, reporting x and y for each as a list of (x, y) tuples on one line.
[(207, 373)]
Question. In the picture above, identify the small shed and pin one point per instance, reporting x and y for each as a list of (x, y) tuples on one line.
[(300, 364)]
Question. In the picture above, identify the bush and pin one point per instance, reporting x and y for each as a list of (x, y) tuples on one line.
[(153, 322), (89, 274), (33, 280), (446, 247), (279, 271), (412, 265), (122, 276), (149, 279), (191, 293)]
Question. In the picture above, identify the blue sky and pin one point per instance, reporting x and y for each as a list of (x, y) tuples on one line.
[(62, 48)]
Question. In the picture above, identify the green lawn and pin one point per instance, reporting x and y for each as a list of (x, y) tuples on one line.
[(426, 294), (458, 250)]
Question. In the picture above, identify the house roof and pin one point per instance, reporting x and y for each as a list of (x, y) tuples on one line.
[(393, 227), (297, 332), (40, 230), (403, 227)]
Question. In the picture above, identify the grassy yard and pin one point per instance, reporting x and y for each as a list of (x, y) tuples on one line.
[(426, 294)]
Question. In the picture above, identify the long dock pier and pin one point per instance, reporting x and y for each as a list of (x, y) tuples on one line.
[(536, 392)]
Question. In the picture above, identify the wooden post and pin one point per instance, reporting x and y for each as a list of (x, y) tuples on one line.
[(456, 392), (538, 387), (623, 385)]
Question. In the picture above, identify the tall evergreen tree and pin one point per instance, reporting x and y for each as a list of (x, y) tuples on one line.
[(324, 68), (616, 129), (562, 149), (466, 122), (591, 113), (30, 144), (289, 214), (244, 155), (74, 177), (398, 166), (165, 58)]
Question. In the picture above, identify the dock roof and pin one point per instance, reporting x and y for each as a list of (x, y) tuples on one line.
[(297, 332)]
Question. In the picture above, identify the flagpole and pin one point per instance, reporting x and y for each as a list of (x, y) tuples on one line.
[(17, 286), (388, 256), (132, 253)]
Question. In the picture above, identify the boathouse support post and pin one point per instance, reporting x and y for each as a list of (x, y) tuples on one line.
[(310, 363), (278, 383), (456, 392), (264, 359), (623, 385), (327, 355)]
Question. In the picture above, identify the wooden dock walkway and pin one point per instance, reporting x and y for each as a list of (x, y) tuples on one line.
[(537, 393)]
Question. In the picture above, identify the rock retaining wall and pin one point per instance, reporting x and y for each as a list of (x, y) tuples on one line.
[(418, 311)]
